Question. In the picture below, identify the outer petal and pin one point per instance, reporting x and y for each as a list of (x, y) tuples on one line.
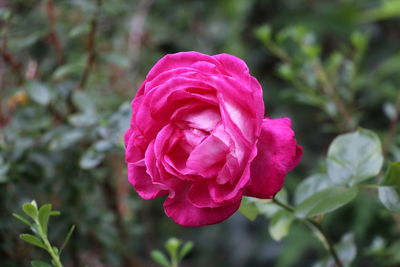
[(183, 212), (139, 178), (182, 59), (278, 153)]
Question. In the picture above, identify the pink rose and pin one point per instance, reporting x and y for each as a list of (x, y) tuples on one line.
[(198, 134)]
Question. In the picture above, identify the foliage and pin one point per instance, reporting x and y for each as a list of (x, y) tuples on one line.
[(175, 251), (40, 219)]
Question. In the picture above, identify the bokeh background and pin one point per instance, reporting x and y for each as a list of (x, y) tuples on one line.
[(69, 68)]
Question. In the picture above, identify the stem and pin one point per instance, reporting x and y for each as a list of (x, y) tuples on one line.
[(320, 232), (91, 47), (392, 128), (331, 91), (55, 256), (174, 263), (369, 186)]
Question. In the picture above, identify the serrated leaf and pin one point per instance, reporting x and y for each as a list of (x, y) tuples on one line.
[(248, 209), (325, 201), (310, 186), (280, 224), (354, 157), (30, 210), (33, 240), (22, 219), (40, 264), (67, 238), (44, 215), (39, 93), (187, 247), (160, 258)]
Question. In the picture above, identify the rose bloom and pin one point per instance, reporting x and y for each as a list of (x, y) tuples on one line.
[(198, 134)]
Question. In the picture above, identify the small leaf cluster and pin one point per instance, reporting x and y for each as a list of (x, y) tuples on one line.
[(38, 219), (177, 250)]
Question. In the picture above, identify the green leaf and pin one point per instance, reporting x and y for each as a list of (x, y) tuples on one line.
[(39, 93), (40, 264), (33, 240), (160, 258), (248, 209), (91, 158), (392, 175), (390, 198), (44, 215), (55, 213), (83, 102), (325, 201), (67, 238), (389, 193), (22, 219), (264, 33), (346, 251), (280, 224), (310, 186), (187, 247), (30, 210), (79, 30), (354, 157), (69, 69), (117, 59), (268, 208)]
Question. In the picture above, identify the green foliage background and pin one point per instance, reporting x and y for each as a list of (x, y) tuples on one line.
[(68, 70)]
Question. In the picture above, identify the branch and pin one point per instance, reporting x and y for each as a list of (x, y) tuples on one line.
[(53, 37), (15, 66), (331, 92), (392, 128), (137, 25), (91, 47), (321, 233)]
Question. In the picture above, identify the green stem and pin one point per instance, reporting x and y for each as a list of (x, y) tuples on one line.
[(369, 186), (321, 234), (54, 255)]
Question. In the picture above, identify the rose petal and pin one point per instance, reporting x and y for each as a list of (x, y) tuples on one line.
[(183, 212), (278, 153), (182, 59), (232, 65), (141, 181), (205, 156)]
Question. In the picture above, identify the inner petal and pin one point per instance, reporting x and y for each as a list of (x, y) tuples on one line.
[(208, 157)]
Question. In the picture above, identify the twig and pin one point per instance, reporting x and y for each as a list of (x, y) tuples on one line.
[(53, 37), (91, 47), (15, 65), (392, 128), (321, 232), (330, 90), (137, 25)]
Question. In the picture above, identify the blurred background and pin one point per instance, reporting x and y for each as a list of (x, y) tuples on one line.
[(69, 68)]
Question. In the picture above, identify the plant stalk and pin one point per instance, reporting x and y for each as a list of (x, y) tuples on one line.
[(320, 232)]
